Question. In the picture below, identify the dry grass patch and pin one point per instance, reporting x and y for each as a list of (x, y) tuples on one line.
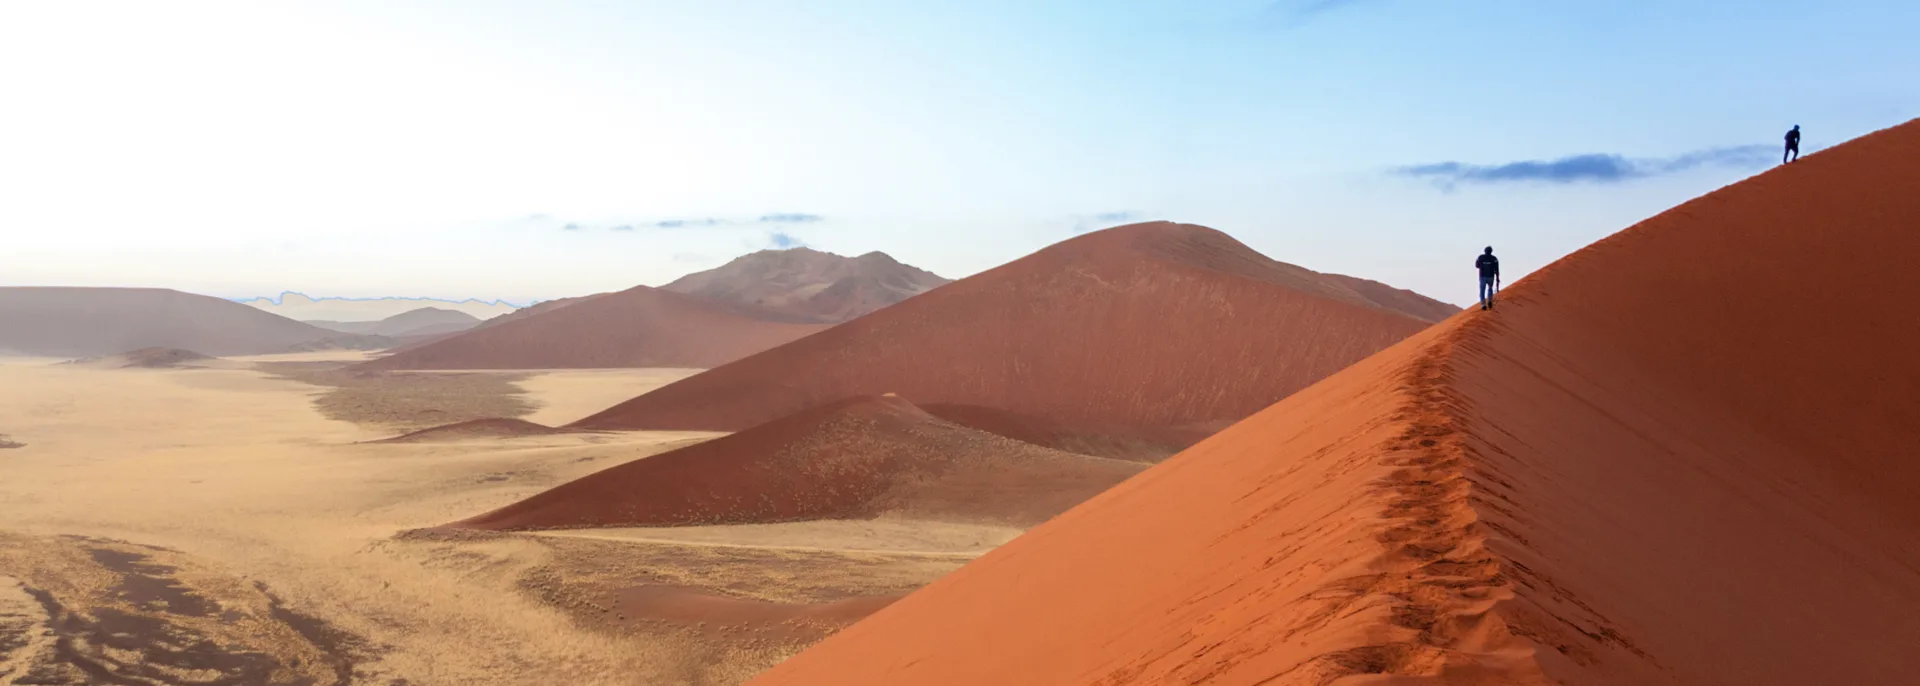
[(584, 577), (407, 400)]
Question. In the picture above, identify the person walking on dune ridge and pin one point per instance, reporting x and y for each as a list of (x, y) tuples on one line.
[(1793, 146), (1489, 267)]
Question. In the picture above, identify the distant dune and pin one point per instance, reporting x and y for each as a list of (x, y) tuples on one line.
[(536, 308), (83, 322), (810, 284), (638, 327), (1664, 459), (1397, 299), (426, 321), (302, 307), (411, 342), (1168, 329), (853, 459)]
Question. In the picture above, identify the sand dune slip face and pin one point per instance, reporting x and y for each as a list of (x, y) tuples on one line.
[(635, 328), (1165, 328), (854, 459), (1661, 460), (1397, 299)]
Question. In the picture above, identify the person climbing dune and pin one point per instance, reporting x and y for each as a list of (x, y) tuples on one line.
[(1793, 146), (1489, 267)]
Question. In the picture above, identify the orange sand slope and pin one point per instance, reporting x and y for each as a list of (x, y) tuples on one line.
[(857, 458), (637, 327), (1145, 326), (1670, 458)]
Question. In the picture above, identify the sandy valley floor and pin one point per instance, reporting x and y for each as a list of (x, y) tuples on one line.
[(212, 526)]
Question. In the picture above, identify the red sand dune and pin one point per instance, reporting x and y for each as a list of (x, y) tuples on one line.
[(489, 427), (1161, 327), (856, 458), (810, 284), (80, 322), (1397, 299), (638, 327), (407, 343), (1140, 444), (541, 307), (1670, 458)]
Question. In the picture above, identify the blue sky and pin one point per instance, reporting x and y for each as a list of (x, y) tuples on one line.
[(526, 150)]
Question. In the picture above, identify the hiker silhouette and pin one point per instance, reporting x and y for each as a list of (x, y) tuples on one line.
[(1793, 146), (1489, 267)]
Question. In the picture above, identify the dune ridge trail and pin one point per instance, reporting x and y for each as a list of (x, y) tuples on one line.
[(1669, 458)]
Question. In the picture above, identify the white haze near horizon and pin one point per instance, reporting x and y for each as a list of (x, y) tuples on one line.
[(303, 307), (441, 149)]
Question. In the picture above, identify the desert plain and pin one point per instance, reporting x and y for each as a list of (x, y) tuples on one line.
[(215, 525)]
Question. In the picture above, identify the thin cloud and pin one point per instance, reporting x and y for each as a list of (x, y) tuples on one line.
[(660, 224), (683, 223), (1590, 168), (782, 240), (789, 218), (1082, 223)]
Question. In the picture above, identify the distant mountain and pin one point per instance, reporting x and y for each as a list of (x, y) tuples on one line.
[(810, 284), (536, 308), (637, 327), (304, 308), (82, 322), (426, 321)]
